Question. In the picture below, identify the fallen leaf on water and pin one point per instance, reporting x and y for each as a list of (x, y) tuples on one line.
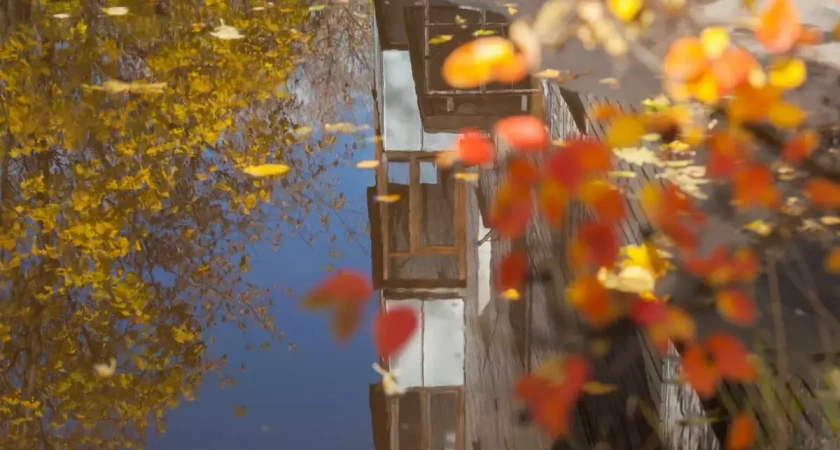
[(389, 198), (135, 87), (115, 11), (61, 16), (393, 328), (266, 170), (598, 388), (741, 433), (314, 8), (303, 131), (609, 81), (226, 32), (344, 294), (239, 411), (369, 164), (440, 39), (105, 370)]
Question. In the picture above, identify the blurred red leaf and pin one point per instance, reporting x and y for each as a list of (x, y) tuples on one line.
[(678, 326), (524, 132), (600, 243), (474, 147), (511, 211), (342, 287), (551, 392), (753, 186), (726, 152), (736, 307), (564, 168), (346, 319), (512, 271), (778, 26), (589, 297), (823, 193), (522, 175), (800, 146), (593, 157), (699, 370), (553, 200), (393, 328), (722, 267), (732, 357), (741, 433), (645, 313), (733, 68), (605, 199), (685, 60)]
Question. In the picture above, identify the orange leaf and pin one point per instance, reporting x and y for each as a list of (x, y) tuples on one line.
[(736, 307), (511, 212), (592, 301), (525, 132), (553, 201), (521, 174), (731, 357), (604, 111), (832, 261), (733, 68), (513, 71), (342, 287), (726, 152), (347, 317), (752, 103), (604, 199), (474, 147), (601, 243), (685, 60), (753, 186), (646, 313), (476, 62), (512, 271), (591, 154), (699, 371), (741, 433), (778, 27), (393, 328), (823, 193), (625, 131), (800, 146)]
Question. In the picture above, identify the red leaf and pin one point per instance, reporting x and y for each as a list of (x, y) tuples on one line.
[(699, 371), (511, 211), (823, 193), (512, 271), (736, 307), (731, 357), (601, 243), (726, 152), (393, 328), (474, 148), (553, 201), (342, 287), (606, 200), (753, 186), (525, 132), (646, 313), (564, 168), (592, 155), (800, 146)]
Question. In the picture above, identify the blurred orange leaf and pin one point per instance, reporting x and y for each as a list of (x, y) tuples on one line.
[(551, 392), (785, 115), (474, 147), (625, 131), (553, 201), (393, 328), (524, 132), (741, 433), (719, 356), (700, 371), (342, 287), (778, 27), (600, 242), (589, 297), (753, 186), (823, 193), (832, 261), (800, 146), (476, 62), (737, 307), (592, 155), (564, 168), (511, 211), (726, 152), (733, 68), (602, 197), (685, 60), (512, 271)]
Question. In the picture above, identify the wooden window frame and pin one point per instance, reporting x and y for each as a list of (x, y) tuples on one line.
[(425, 416), (414, 158)]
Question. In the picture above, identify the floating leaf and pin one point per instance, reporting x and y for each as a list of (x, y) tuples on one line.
[(823, 193), (389, 382), (440, 39), (632, 279), (226, 32), (715, 40), (741, 433), (61, 16), (115, 11), (239, 411), (625, 10), (266, 170), (512, 271), (592, 300), (479, 33), (475, 63), (736, 307), (553, 201), (778, 26), (785, 115), (625, 131), (604, 198), (387, 198), (342, 287), (393, 328), (474, 147), (105, 370), (800, 146), (315, 8), (598, 388), (511, 10), (685, 60), (753, 185), (523, 132), (369, 164), (787, 73)]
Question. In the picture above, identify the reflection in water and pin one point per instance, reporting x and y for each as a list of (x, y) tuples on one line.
[(124, 212)]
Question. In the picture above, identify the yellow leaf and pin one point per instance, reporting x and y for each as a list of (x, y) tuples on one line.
[(759, 227), (511, 10), (787, 73), (714, 40), (625, 131), (622, 174), (115, 11), (466, 176), (785, 115), (511, 294), (598, 388), (440, 39), (478, 33), (625, 10), (369, 164), (387, 198), (314, 8), (266, 170), (548, 73)]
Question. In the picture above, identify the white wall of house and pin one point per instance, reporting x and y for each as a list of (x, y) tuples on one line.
[(434, 356), (402, 128)]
